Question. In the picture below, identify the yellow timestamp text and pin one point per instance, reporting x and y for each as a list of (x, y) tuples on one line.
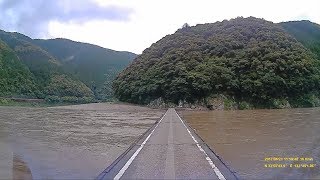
[(289, 162)]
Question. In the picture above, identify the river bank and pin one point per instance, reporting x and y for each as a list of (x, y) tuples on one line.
[(20, 102), (224, 102)]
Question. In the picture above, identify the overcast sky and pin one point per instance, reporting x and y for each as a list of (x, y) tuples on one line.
[(133, 25)]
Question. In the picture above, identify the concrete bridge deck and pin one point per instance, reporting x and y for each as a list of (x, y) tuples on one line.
[(169, 150)]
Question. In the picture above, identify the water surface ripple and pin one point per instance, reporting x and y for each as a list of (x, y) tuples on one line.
[(73, 142), (243, 139)]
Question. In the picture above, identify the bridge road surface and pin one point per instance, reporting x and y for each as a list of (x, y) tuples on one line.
[(169, 150)]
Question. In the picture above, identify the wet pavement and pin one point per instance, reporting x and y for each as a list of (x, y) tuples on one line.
[(169, 151)]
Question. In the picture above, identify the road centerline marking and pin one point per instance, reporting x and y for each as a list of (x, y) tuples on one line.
[(213, 166), (170, 166), (126, 166)]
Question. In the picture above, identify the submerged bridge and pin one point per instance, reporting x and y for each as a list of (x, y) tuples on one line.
[(168, 150)]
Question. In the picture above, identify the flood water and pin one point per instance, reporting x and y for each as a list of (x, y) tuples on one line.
[(72, 142), (246, 139)]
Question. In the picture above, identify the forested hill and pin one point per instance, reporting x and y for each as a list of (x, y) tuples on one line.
[(306, 32), (243, 62), (93, 65), (15, 77), (59, 69)]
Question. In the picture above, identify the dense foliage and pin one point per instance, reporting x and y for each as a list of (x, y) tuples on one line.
[(63, 88), (15, 78), (306, 32), (60, 69), (40, 63), (247, 59), (94, 65)]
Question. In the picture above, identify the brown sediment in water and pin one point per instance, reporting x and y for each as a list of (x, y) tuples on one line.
[(20, 169), (243, 139), (74, 142)]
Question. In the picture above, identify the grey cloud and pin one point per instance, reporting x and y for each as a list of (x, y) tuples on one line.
[(33, 16)]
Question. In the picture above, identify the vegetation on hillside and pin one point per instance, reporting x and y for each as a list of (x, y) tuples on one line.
[(40, 63), (60, 70), (15, 78), (64, 89), (306, 32), (250, 61), (93, 65)]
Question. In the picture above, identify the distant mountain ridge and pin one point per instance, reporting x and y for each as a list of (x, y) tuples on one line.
[(306, 32), (87, 68), (93, 65)]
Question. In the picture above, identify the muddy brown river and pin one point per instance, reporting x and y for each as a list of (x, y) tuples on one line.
[(72, 142), (78, 142), (263, 144)]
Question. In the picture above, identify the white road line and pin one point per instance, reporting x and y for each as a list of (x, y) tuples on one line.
[(126, 166), (214, 167)]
